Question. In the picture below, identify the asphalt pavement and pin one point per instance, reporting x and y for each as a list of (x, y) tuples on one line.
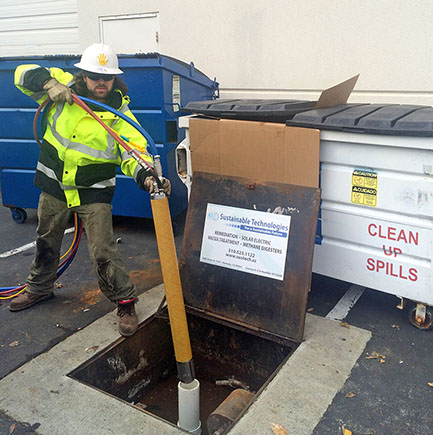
[(78, 300), (387, 391)]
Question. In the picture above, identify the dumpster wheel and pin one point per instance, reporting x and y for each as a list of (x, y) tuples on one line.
[(426, 324), (19, 215)]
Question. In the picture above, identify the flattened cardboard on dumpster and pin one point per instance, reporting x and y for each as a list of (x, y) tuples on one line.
[(258, 150), (337, 95)]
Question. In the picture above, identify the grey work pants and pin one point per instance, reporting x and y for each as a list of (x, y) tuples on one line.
[(53, 216)]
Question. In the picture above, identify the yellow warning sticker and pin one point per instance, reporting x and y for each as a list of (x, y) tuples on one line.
[(364, 187)]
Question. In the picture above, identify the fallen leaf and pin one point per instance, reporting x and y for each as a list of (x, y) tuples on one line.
[(310, 309), (430, 384), (12, 428), (91, 348), (58, 285), (345, 431), (14, 343), (395, 326), (277, 429), (375, 355), (345, 325), (350, 394)]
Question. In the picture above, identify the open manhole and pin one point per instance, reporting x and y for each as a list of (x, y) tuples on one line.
[(141, 369), (245, 303)]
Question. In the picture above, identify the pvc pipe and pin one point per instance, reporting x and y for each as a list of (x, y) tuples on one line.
[(189, 406)]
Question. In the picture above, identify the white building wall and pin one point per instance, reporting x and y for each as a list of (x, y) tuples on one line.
[(32, 27), (257, 49)]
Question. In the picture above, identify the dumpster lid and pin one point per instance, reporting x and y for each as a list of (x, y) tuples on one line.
[(384, 119), (138, 60), (246, 293), (266, 110)]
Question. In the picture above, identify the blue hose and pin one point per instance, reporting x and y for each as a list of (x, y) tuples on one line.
[(149, 139)]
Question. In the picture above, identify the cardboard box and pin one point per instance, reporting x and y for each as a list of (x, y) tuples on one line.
[(258, 150)]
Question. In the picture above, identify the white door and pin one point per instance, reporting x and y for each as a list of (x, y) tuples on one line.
[(130, 34)]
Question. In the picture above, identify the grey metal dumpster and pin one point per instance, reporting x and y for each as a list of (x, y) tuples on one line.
[(377, 198)]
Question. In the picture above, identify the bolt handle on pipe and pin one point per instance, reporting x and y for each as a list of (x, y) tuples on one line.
[(158, 191)]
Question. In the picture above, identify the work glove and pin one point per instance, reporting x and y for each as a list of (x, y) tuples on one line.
[(58, 92), (145, 181), (166, 185)]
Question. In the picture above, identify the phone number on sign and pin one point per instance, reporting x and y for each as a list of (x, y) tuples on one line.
[(241, 255)]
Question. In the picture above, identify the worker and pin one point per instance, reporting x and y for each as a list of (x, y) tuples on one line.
[(76, 173)]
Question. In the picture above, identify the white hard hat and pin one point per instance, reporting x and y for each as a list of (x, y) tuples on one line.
[(99, 58)]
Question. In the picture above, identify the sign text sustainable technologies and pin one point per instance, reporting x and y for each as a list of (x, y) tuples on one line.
[(246, 240)]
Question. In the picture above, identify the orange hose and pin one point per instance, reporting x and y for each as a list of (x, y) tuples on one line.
[(171, 277)]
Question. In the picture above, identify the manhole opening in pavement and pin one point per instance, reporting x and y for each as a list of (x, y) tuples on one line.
[(232, 364)]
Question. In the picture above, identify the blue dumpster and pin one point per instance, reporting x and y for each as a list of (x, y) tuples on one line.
[(158, 85)]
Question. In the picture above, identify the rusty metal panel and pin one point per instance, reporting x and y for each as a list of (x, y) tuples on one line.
[(132, 367), (259, 302)]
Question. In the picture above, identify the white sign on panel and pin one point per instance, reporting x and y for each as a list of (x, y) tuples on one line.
[(250, 241)]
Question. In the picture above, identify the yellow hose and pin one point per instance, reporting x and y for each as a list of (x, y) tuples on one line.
[(15, 294), (75, 237), (171, 277)]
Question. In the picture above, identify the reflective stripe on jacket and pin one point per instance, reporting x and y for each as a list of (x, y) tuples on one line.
[(78, 158)]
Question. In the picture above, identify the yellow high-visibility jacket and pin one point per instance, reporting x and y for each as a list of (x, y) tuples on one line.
[(78, 158)]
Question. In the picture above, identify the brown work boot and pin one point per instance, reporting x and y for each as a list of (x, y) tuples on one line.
[(27, 300), (128, 321)]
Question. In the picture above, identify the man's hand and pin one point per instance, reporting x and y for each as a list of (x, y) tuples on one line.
[(145, 180), (166, 185), (58, 92)]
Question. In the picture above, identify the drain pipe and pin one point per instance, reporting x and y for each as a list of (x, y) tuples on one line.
[(188, 387), (189, 406)]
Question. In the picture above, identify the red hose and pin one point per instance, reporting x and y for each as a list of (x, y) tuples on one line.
[(35, 121)]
